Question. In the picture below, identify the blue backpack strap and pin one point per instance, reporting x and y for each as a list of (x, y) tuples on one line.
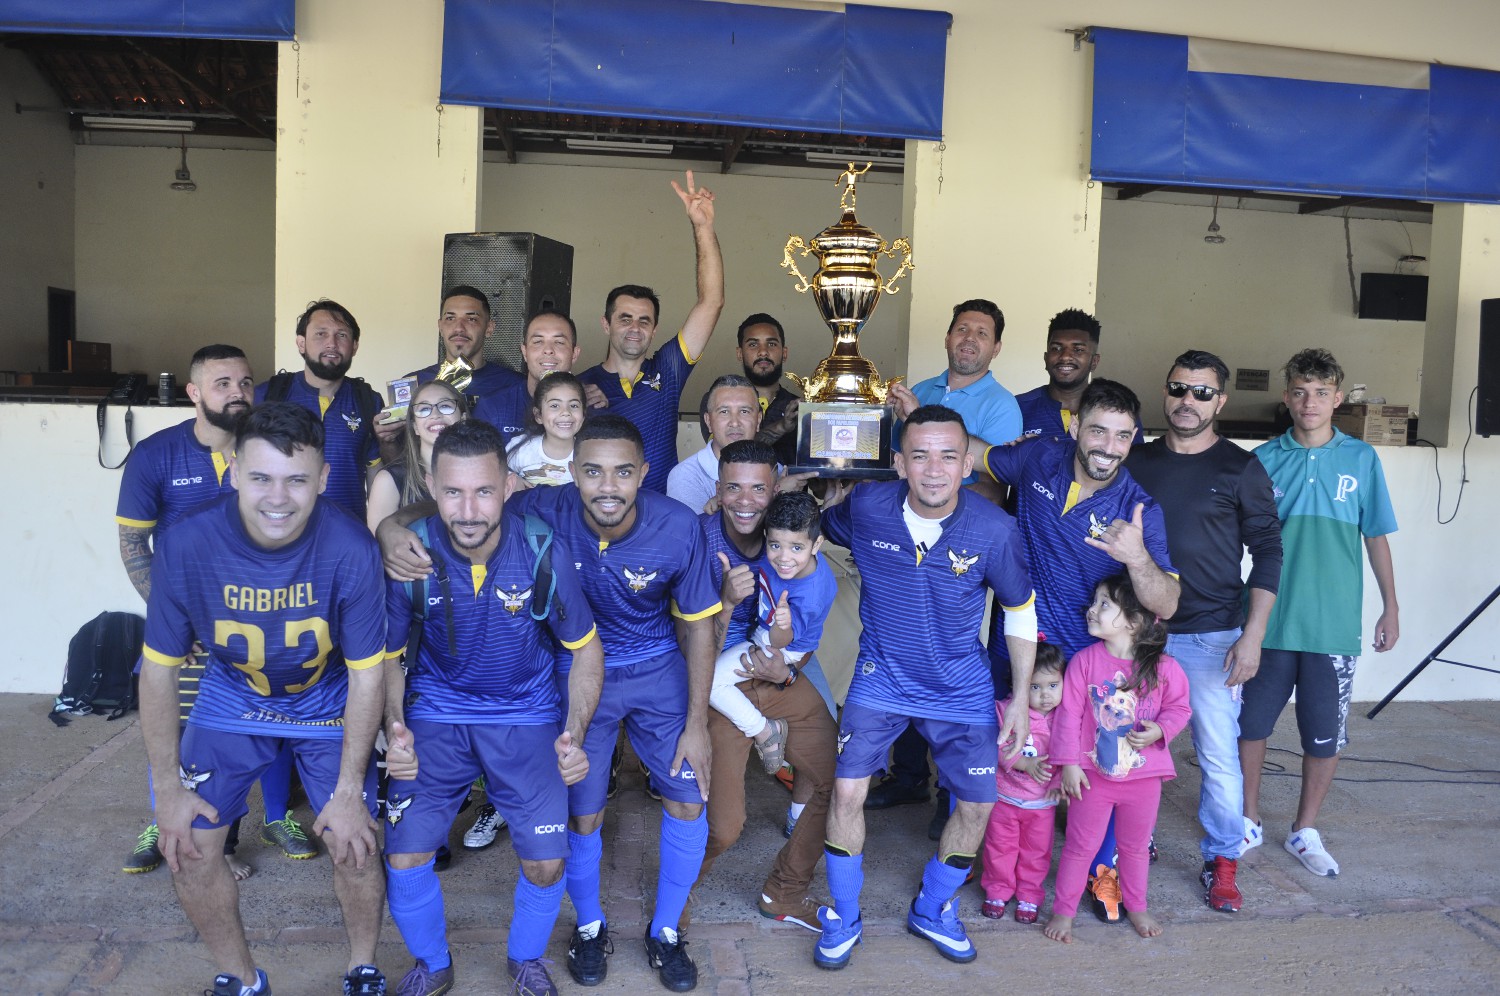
[(544, 580)]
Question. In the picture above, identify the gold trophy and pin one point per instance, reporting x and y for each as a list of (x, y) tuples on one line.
[(844, 427)]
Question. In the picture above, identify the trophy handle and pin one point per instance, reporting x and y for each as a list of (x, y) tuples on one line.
[(787, 263), (899, 246)]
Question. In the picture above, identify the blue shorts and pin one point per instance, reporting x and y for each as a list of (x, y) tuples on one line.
[(651, 699), (966, 754), (1324, 684), (224, 765), (520, 777)]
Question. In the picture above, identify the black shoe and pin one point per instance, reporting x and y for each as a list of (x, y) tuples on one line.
[(939, 816), (365, 980), (614, 773), (888, 792), (1151, 849), (669, 957), (588, 957), (442, 859)]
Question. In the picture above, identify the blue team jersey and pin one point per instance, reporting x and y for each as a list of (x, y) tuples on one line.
[(809, 600), (349, 446), (637, 583), (169, 474), (1042, 416), (1055, 524), (488, 381), (919, 652), (508, 409), (502, 673), (717, 541), (281, 626), (651, 404)]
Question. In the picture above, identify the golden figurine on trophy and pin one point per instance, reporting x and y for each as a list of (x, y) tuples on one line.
[(844, 427)]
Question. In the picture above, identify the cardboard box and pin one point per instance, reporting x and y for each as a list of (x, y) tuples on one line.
[(1377, 430), (1374, 411)]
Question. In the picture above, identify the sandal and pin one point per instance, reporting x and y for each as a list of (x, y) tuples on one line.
[(772, 750)]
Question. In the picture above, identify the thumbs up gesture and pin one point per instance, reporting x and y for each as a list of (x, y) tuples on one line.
[(783, 617), (400, 752), (572, 762)]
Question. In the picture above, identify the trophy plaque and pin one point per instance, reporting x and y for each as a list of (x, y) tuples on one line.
[(843, 423)]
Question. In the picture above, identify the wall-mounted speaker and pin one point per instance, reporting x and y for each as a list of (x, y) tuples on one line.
[(521, 273), (1397, 297), (1487, 416)]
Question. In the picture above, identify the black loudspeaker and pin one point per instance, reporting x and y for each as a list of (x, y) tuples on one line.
[(1398, 297), (521, 273), (1487, 417)]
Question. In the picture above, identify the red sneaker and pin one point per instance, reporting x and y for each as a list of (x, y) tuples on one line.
[(1220, 892)]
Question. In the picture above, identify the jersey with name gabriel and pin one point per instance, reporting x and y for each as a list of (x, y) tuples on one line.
[(502, 672), (168, 475), (637, 583), (1055, 523), (651, 404), (281, 626), (349, 446), (919, 652)]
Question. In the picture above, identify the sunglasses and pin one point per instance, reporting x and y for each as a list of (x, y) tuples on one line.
[(1200, 392), (425, 410)]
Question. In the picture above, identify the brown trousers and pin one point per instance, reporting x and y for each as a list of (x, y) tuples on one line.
[(811, 740)]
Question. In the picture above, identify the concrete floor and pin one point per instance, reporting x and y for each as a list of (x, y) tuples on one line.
[(1417, 907)]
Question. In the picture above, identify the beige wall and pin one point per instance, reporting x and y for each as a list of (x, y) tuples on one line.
[(1278, 285), (162, 272), (36, 211), (627, 226)]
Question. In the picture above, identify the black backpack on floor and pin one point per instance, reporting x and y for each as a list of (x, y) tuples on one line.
[(99, 677)]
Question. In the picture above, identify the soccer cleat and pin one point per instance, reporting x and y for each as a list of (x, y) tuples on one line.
[(1254, 835), (487, 825), (1104, 895), (801, 912), (1219, 890), (286, 833), (530, 977), (588, 961), (229, 985), (146, 856), (422, 981), (837, 942), (1307, 845), (945, 931), (667, 953), (1026, 912), (365, 980)]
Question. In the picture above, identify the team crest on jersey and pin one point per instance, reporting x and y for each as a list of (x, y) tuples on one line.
[(653, 382), (638, 579), (192, 779), (353, 422), (514, 600), (843, 740), (395, 810), (961, 564), (868, 667), (1096, 527)]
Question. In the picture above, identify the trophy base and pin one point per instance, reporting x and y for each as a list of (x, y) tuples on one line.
[(842, 440)]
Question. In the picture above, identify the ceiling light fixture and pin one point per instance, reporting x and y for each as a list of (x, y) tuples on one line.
[(184, 181), (1213, 237), (138, 124), (608, 145)]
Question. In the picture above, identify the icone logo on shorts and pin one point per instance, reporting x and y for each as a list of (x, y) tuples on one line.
[(551, 828), (982, 771)]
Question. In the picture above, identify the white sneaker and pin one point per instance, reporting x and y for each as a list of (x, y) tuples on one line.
[(1308, 847), (486, 826), (1254, 837)]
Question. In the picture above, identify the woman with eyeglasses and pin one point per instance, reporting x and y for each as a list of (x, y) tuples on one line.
[(436, 406)]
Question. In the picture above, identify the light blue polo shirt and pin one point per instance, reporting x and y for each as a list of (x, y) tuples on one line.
[(988, 409)]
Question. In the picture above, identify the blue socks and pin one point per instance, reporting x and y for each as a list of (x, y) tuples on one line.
[(939, 883), (276, 785), (681, 857), (536, 909), (582, 875), (1106, 855), (846, 879), (416, 901)]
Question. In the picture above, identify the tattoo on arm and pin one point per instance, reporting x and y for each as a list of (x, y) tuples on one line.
[(135, 552)]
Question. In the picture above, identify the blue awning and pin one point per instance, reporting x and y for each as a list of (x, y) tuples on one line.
[(251, 20), (1196, 112), (860, 71)]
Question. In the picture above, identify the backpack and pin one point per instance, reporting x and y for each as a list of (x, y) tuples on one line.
[(279, 388), (100, 673), (544, 586)]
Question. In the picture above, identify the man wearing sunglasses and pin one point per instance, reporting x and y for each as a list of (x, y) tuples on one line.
[(1218, 503)]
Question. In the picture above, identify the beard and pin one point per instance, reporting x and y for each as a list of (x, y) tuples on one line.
[(459, 544), (768, 379), (329, 371), (1089, 469), (228, 417), (1189, 432)]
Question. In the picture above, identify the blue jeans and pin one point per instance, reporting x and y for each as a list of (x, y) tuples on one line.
[(1216, 731)]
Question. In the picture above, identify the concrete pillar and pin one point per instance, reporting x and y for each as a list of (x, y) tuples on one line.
[(371, 172), (1462, 272)]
